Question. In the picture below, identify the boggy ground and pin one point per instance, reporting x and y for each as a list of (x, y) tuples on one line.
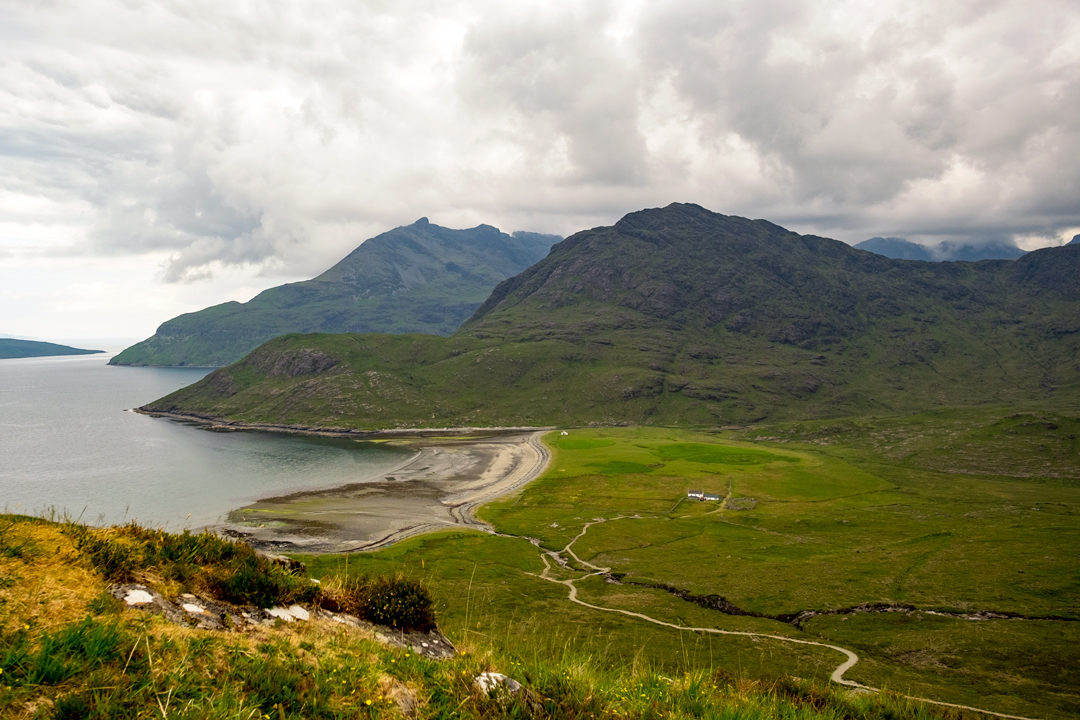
[(436, 489)]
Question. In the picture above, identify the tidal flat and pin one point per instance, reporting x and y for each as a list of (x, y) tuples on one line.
[(437, 488)]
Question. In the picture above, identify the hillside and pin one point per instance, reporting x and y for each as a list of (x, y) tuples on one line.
[(681, 315), (418, 278), (11, 348)]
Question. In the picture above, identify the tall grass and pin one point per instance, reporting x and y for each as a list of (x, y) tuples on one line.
[(194, 562)]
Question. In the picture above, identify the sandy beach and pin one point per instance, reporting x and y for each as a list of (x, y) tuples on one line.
[(438, 488)]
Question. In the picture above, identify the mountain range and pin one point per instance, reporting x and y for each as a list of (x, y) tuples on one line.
[(679, 315), (903, 249), (420, 278)]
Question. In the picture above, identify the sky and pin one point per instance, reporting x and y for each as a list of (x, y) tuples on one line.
[(159, 157)]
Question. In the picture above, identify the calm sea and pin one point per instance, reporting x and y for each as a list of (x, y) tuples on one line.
[(69, 444)]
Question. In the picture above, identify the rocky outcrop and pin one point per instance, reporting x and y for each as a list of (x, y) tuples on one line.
[(207, 614), (303, 361)]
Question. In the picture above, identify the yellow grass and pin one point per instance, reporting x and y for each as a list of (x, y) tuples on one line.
[(44, 587)]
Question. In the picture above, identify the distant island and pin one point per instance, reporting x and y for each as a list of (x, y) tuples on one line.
[(11, 348)]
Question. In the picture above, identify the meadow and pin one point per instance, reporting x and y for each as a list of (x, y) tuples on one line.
[(941, 549)]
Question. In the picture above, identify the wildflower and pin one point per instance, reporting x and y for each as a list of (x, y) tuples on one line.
[(367, 702)]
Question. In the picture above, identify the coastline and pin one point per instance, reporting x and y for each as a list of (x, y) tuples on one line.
[(220, 425), (438, 488)]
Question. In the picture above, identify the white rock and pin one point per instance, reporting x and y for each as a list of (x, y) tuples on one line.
[(138, 597), (281, 614), (289, 614), (193, 609), (487, 682)]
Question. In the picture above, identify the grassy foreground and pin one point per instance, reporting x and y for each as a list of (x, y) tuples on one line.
[(68, 649), (939, 548)]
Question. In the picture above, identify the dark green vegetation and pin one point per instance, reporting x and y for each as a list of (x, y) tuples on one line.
[(949, 570), (69, 650), (682, 316), (11, 348), (418, 278), (396, 602)]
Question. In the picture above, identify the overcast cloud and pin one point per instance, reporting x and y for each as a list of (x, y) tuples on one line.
[(159, 157)]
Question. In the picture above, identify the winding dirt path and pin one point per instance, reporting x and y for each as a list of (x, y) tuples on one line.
[(837, 676)]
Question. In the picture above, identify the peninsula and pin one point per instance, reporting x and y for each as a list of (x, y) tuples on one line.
[(12, 348)]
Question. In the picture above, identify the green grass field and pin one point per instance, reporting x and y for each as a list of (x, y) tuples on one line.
[(69, 649), (957, 515)]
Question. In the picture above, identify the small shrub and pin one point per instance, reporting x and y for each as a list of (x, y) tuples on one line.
[(397, 602), (260, 582)]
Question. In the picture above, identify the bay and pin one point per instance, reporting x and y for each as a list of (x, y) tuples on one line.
[(71, 446)]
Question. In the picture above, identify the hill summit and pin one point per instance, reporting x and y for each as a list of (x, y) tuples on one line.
[(416, 278), (682, 315)]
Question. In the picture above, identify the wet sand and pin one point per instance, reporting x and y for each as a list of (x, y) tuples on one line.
[(436, 489)]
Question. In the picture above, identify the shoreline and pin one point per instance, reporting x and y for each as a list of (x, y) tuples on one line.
[(438, 488), (221, 425)]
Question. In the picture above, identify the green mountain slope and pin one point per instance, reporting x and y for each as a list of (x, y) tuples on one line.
[(11, 348), (681, 315), (417, 278)]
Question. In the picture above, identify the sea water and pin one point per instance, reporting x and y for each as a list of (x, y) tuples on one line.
[(70, 445)]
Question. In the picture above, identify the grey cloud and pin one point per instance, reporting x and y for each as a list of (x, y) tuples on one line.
[(558, 77), (854, 119), (282, 135)]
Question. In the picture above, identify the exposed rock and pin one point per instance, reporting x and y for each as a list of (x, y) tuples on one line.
[(489, 682), (208, 614), (289, 614), (292, 565), (138, 597), (303, 361), (189, 610)]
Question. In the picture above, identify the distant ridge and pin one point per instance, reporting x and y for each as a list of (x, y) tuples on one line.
[(903, 249), (417, 278), (16, 348), (679, 315), (896, 248)]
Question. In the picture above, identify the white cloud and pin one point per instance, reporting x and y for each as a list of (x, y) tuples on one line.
[(190, 141)]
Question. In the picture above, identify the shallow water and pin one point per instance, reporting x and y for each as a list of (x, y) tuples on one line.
[(69, 444)]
